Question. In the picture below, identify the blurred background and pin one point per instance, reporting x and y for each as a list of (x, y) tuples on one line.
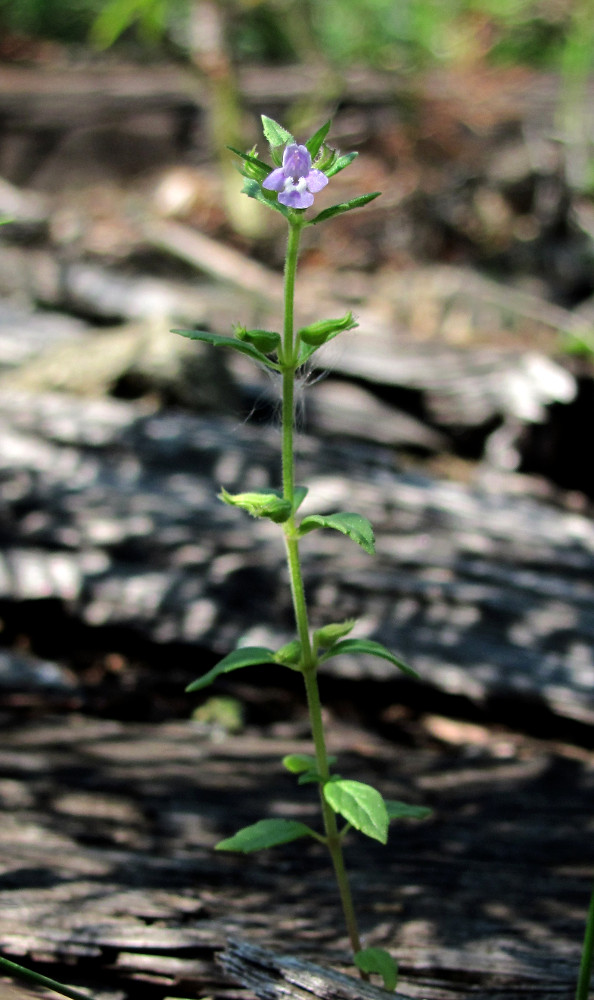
[(457, 418), (472, 278)]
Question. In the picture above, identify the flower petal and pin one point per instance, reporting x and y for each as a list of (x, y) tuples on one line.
[(275, 181), (293, 198), (296, 161), (316, 180)]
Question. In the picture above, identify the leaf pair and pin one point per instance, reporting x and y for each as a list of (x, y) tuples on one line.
[(359, 804)]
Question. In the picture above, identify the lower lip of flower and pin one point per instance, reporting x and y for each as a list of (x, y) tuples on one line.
[(300, 185)]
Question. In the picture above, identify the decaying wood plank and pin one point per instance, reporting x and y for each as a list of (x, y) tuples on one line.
[(106, 859), (280, 977), (111, 509)]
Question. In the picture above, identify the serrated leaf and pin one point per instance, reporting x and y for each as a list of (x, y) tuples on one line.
[(401, 810), (241, 346), (315, 143), (380, 961), (245, 656), (357, 528), (368, 647), (361, 805), (344, 206), (266, 833), (275, 134), (340, 163)]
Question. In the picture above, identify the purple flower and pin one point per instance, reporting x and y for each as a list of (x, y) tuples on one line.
[(296, 181)]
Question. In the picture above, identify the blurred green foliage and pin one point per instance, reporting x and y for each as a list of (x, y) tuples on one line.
[(407, 34)]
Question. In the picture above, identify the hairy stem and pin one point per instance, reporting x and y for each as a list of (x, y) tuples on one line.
[(309, 658), (583, 985)]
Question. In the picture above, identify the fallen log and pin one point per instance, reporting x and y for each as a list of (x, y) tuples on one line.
[(111, 510), (109, 877)]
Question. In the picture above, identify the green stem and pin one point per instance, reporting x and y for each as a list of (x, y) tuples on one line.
[(583, 985), (20, 972), (309, 657)]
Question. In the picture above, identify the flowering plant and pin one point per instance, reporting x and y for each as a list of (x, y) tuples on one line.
[(297, 174)]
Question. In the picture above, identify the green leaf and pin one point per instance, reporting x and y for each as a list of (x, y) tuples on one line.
[(401, 810), (254, 190), (339, 164), (345, 206), (361, 805), (380, 961), (265, 833), (259, 167), (368, 647), (275, 134), (330, 634), (245, 656), (264, 503), (215, 340), (356, 527), (315, 143), (299, 495)]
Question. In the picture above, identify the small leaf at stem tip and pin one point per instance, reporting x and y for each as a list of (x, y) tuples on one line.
[(344, 206), (245, 656), (274, 133), (380, 961), (400, 810), (315, 143), (367, 647), (361, 805), (340, 163), (266, 833), (357, 528), (215, 340)]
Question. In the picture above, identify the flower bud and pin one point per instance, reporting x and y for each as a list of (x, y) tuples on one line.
[(264, 340), (318, 333), (330, 634), (268, 504)]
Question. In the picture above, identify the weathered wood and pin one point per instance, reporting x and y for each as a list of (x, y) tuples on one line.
[(106, 860), (112, 510), (272, 977)]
